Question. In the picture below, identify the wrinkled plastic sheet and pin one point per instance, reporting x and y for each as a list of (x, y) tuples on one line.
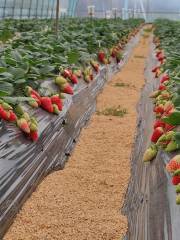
[(150, 203), (24, 164)]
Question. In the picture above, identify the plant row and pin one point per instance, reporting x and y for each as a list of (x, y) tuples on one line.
[(166, 98), (39, 56)]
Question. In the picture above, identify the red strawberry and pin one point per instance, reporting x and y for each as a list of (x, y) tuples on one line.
[(159, 123), (12, 117), (174, 164), (169, 127), (38, 99), (159, 109), (158, 132), (155, 69), (66, 88), (47, 104), (35, 94), (101, 56), (158, 53), (23, 125), (162, 87), (175, 180), (91, 77), (67, 73), (34, 135), (164, 78), (74, 79), (4, 114), (57, 100)]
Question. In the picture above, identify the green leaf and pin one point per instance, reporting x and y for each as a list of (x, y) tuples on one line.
[(16, 100), (17, 56), (17, 72), (45, 70), (173, 119), (3, 69), (6, 88), (73, 57)]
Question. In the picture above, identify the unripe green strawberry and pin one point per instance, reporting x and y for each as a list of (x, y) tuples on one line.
[(6, 106), (178, 199), (154, 94), (56, 109), (178, 188), (28, 90), (19, 110), (172, 146), (177, 172), (60, 81), (33, 103), (33, 120), (26, 116), (33, 127), (150, 153)]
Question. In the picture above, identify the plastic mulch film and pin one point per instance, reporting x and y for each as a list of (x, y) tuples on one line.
[(150, 203), (24, 164)]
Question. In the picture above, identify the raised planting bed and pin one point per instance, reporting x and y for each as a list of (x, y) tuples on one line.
[(152, 200)]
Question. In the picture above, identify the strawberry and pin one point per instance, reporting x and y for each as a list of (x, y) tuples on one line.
[(4, 114), (119, 57), (154, 94), (174, 164), (33, 103), (74, 79), (168, 127), (162, 87), (159, 109), (158, 132), (56, 109), (172, 146), (60, 81), (34, 135), (155, 69), (6, 106), (55, 99), (178, 199), (159, 123), (101, 56), (175, 180), (164, 78), (66, 88), (47, 104), (178, 189), (67, 73), (95, 65), (23, 125), (78, 73), (12, 117), (30, 91), (158, 53), (33, 127), (38, 99), (150, 153)]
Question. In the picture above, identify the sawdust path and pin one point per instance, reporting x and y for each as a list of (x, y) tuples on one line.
[(83, 201)]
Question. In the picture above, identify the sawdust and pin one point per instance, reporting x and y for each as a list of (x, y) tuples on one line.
[(83, 201)]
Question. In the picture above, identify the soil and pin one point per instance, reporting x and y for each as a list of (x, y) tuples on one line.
[(83, 201)]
